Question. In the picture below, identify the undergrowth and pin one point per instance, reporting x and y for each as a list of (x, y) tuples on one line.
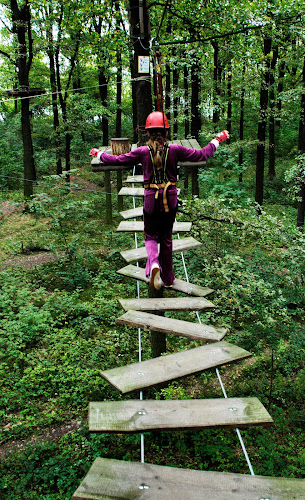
[(58, 330)]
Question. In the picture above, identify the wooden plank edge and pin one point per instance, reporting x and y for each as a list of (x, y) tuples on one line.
[(119, 479)]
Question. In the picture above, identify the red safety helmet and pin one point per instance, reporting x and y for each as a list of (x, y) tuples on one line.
[(156, 119)]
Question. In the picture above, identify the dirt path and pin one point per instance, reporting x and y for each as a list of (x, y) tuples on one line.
[(47, 435)]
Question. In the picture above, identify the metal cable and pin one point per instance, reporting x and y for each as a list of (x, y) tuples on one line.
[(221, 383), (142, 450)]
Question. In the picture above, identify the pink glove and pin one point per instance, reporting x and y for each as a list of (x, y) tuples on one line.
[(94, 152), (222, 136)]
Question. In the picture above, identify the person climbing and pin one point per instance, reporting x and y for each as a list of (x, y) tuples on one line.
[(159, 165)]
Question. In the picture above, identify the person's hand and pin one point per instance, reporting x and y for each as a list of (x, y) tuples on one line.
[(94, 152), (222, 136)]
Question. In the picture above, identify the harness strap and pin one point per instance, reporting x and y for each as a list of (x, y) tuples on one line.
[(159, 186)]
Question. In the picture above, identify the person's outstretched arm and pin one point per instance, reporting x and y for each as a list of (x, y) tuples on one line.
[(131, 158), (196, 155)]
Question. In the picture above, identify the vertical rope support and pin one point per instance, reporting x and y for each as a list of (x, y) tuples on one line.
[(221, 383), (142, 446)]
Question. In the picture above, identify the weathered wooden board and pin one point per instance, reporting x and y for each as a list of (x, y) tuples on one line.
[(138, 273), (101, 167), (167, 304), (148, 415), (173, 366), (134, 191), (138, 226), (132, 213), (181, 245), (131, 191), (119, 479), (163, 324), (135, 179)]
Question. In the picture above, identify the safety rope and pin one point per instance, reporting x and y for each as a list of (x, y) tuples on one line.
[(221, 382), (158, 81), (142, 447)]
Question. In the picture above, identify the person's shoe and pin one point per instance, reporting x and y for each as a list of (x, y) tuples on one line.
[(166, 286), (155, 281)]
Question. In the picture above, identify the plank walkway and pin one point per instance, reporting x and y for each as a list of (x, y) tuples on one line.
[(137, 254), (119, 479), (138, 226), (195, 331), (138, 273), (167, 304), (135, 179), (132, 213), (110, 479), (135, 191), (148, 415), (152, 372)]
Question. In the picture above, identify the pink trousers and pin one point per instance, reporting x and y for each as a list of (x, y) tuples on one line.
[(158, 227)]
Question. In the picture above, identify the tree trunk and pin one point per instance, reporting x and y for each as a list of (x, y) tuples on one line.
[(229, 89), (196, 118), (241, 123), (301, 146), (140, 37), (186, 101), (280, 88), (118, 123), (22, 29), (271, 171), (175, 102), (28, 153), (50, 52), (216, 96), (195, 113), (261, 135), (168, 82), (103, 89)]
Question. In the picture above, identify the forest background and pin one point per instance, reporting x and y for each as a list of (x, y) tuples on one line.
[(69, 82)]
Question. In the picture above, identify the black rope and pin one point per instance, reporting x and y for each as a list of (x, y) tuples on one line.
[(163, 15)]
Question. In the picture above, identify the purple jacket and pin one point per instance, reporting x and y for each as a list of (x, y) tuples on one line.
[(176, 154)]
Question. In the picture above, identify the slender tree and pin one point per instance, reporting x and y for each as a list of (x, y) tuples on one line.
[(271, 171), (262, 124), (301, 147), (21, 18), (241, 121)]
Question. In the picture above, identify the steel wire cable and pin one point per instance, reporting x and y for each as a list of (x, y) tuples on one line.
[(221, 382)]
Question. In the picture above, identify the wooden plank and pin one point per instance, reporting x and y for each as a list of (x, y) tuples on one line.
[(135, 179), (132, 213), (148, 415), (181, 245), (194, 143), (101, 167), (138, 226), (138, 273), (131, 191), (167, 304), (191, 164), (139, 376), (120, 479), (134, 191), (195, 331)]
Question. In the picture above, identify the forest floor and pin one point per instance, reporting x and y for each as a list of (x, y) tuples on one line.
[(48, 434)]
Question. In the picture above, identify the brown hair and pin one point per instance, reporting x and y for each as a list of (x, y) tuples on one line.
[(156, 143)]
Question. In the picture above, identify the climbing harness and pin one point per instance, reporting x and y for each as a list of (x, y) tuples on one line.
[(159, 179)]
